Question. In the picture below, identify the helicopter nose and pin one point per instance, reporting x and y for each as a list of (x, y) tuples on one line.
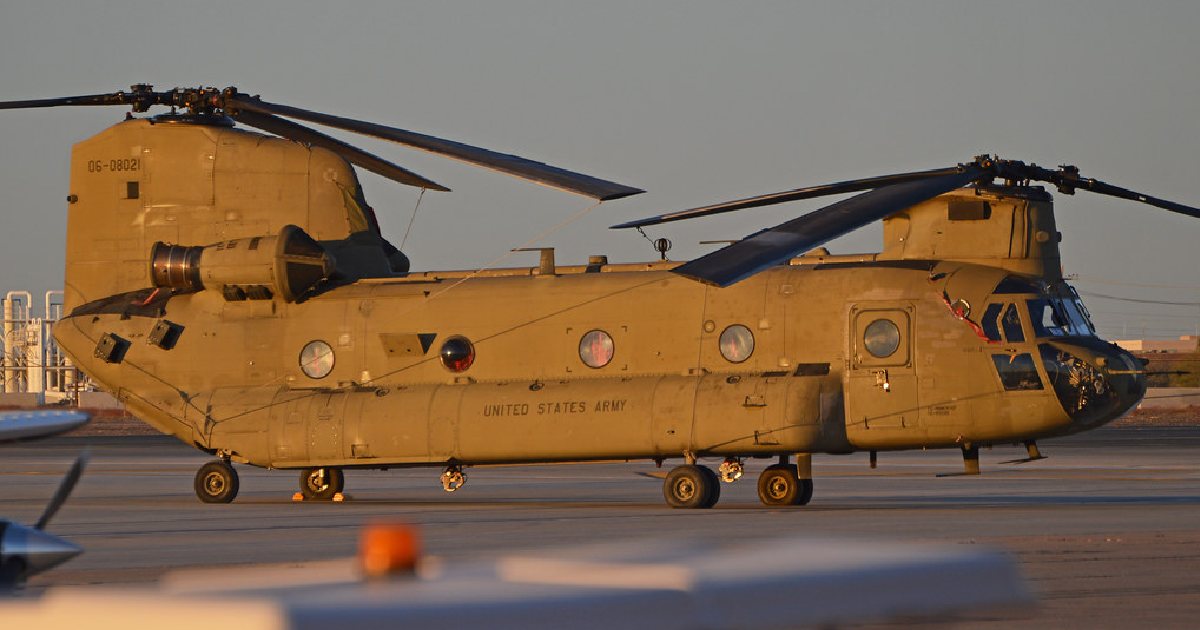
[(25, 551), (1096, 382)]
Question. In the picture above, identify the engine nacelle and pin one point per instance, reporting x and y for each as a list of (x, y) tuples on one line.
[(288, 264)]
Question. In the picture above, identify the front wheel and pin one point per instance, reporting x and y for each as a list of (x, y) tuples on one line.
[(320, 484), (216, 482)]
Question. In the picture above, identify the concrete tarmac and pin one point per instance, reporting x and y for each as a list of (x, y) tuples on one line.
[(1107, 529)]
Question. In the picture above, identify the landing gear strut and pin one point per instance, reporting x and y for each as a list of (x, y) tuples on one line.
[(320, 484), (216, 482), (691, 486), (1031, 448), (970, 454)]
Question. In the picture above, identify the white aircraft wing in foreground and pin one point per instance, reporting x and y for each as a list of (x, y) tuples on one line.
[(28, 425)]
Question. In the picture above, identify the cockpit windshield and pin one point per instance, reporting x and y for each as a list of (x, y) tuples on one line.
[(1060, 317)]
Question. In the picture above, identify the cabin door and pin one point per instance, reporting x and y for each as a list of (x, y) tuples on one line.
[(325, 414), (881, 382)]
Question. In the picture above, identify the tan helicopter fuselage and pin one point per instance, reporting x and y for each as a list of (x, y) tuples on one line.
[(221, 366)]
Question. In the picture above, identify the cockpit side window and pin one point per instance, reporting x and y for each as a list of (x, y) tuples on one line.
[(1012, 325), (991, 325)]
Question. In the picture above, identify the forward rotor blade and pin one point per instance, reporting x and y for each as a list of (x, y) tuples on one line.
[(809, 192), (117, 98), (509, 164), (64, 490), (777, 245), (369, 161)]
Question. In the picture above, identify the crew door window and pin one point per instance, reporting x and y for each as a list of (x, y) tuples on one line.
[(1012, 325)]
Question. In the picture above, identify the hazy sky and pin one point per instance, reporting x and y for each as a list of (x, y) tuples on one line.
[(697, 102)]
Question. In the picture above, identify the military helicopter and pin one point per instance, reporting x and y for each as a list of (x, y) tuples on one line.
[(233, 290)]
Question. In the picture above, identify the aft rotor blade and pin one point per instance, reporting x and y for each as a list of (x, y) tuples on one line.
[(64, 490), (509, 164), (117, 98), (776, 245), (369, 161), (809, 192), (1103, 188)]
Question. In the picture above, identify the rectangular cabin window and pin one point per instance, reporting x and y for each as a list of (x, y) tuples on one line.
[(1017, 371), (132, 190), (969, 210)]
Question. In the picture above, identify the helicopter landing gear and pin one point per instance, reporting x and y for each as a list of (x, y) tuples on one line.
[(453, 478), (321, 484), (216, 482), (785, 483), (970, 459), (970, 453), (731, 469), (692, 487), (1034, 452)]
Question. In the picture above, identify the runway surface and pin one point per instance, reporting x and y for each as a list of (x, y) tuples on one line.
[(1107, 529)]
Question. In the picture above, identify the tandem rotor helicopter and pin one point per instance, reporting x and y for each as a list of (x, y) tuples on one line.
[(233, 290)]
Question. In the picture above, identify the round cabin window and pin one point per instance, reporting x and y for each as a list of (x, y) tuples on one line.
[(457, 353), (882, 338), (737, 343), (596, 349), (316, 359)]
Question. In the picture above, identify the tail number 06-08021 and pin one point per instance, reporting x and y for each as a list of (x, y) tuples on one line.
[(113, 166)]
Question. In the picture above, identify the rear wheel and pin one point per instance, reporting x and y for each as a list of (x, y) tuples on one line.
[(320, 484), (780, 485), (691, 487), (216, 482)]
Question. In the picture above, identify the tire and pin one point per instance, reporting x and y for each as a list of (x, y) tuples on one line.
[(779, 485), (714, 490), (691, 487), (806, 492), (216, 482), (313, 488)]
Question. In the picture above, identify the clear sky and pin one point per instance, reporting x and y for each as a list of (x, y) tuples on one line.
[(696, 102)]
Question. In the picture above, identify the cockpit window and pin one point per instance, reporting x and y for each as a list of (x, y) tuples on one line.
[(1060, 318), (1015, 284), (1010, 322), (1012, 325), (1017, 371), (991, 325), (1048, 318), (1081, 324)]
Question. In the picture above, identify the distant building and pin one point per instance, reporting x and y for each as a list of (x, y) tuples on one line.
[(33, 371), (1186, 343)]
